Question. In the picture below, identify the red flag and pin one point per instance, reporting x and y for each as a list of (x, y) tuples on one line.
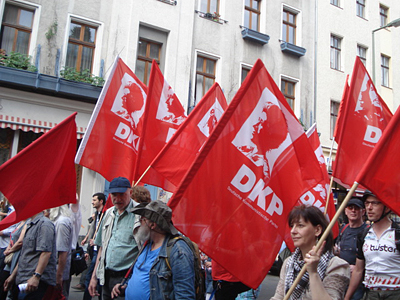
[(163, 115), (320, 191), (110, 144), (235, 199), (381, 172), (179, 153), (339, 120), (42, 175), (317, 195), (108, 203), (366, 117)]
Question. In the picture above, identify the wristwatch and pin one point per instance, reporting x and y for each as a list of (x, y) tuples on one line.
[(38, 275)]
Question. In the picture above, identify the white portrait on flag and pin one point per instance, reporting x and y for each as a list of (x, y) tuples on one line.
[(267, 139), (130, 100), (167, 110), (210, 119)]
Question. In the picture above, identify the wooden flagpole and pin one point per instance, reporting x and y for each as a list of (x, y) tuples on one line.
[(323, 237), (144, 173), (328, 196)]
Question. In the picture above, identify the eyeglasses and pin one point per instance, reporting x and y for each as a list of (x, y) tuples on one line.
[(373, 203)]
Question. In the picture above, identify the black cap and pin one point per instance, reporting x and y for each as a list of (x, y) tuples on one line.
[(355, 201)]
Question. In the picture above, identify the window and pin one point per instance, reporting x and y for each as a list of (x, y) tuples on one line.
[(335, 52), (383, 11), (289, 27), (209, 6), (361, 8), (252, 14), (6, 138), (147, 51), (288, 89), (362, 53), (81, 46), (16, 29), (205, 75), (385, 70), (335, 2), (244, 73), (334, 114)]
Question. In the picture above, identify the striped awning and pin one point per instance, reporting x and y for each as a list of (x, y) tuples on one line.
[(31, 125)]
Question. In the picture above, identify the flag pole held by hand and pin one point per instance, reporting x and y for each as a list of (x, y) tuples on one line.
[(323, 237)]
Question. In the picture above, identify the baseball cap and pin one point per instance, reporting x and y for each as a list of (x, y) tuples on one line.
[(158, 212), (119, 185), (368, 193), (355, 201)]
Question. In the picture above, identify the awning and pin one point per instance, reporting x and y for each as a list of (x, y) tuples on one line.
[(31, 125)]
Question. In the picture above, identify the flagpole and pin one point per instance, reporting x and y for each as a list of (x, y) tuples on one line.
[(323, 237), (329, 191), (144, 173)]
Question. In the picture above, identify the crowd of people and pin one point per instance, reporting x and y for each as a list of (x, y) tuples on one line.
[(133, 251)]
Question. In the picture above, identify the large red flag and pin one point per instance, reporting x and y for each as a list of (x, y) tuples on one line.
[(163, 115), (42, 175), (366, 117), (110, 144), (175, 159), (235, 199), (339, 120), (381, 172)]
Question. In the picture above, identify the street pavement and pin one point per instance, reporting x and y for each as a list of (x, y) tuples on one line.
[(267, 288)]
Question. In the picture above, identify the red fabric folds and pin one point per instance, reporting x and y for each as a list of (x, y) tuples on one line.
[(42, 175), (366, 117), (381, 172), (179, 153), (110, 144), (163, 115)]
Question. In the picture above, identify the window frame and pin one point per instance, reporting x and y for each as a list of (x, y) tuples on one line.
[(383, 15), (147, 59), (333, 116), (81, 44), (385, 70), (208, 10), (360, 8), (289, 25), (251, 11), (96, 60), (37, 8), (196, 73), (336, 53), (292, 98), (246, 68), (362, 58), (335, 3)]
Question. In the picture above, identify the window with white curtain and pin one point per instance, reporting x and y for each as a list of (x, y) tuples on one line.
[(16, 29), (81, 46)]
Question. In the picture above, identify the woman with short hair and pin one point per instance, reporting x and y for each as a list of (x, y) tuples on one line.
[(327, 276)]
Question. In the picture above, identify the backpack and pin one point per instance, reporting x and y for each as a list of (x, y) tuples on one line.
[(199, 280)]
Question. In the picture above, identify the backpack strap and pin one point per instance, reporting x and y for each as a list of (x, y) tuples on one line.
[(171, 244)]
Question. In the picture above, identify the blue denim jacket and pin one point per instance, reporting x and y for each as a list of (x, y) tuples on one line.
[(176, 282)]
